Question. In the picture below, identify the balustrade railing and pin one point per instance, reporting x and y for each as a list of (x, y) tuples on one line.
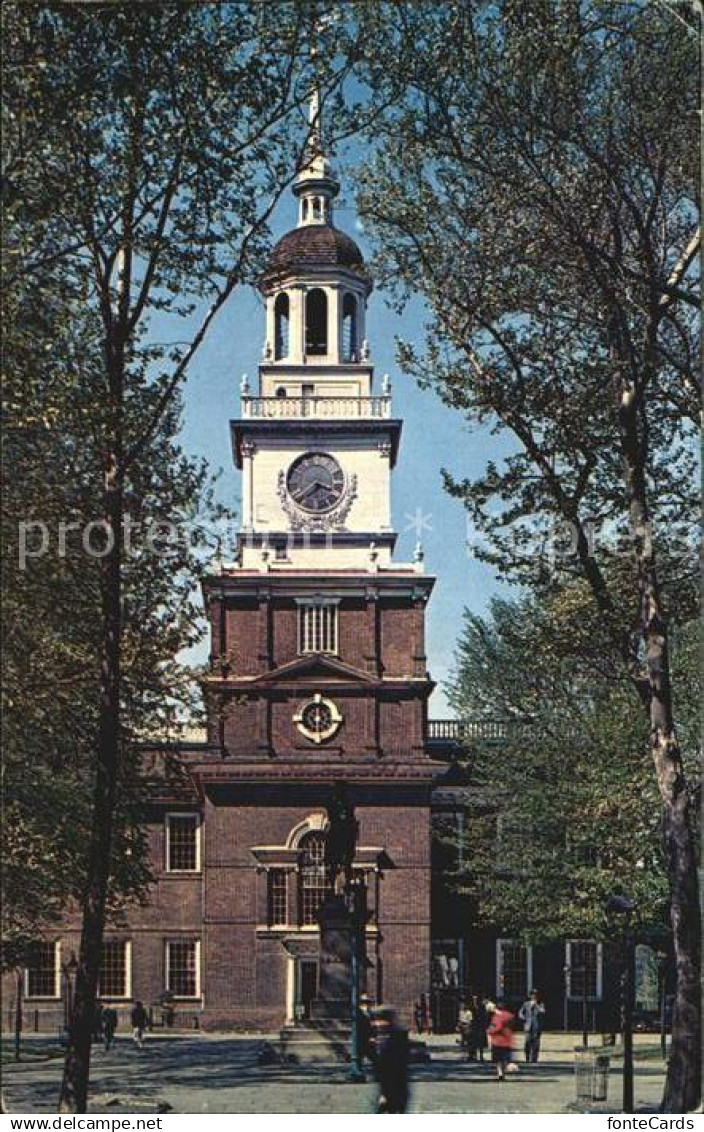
[(293, 408), (457, 730)]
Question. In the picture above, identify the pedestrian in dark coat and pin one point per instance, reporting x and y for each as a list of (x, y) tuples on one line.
[(364, 1028), (109, 1027), (390, 1060), (476, 1037)]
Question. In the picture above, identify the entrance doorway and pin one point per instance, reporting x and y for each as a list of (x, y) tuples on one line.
[(307, 986)]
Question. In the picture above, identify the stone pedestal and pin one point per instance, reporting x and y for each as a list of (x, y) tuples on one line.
[(335, 967)]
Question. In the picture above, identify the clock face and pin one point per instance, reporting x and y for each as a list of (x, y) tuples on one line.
[(318, 719), (316, 482)]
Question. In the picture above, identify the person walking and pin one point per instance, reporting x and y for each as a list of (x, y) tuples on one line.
[(364, 1028), (531, 1014), (464, 1026), (501, 1038), (97, 1034), (426, 1020), (109, 1027), (476, 1038), (390, 1055), (139, 1023)]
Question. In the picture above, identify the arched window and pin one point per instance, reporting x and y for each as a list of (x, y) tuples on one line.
[(281, 309), (305, 208), (316, 322), (349, 328), (314, 880), (316, 208), (281, 391)]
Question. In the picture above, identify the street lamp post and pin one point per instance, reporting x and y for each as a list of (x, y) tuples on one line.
[(662, 959), (18, 1012), (624, 907), (569, 972), (629, 988), (69, 973), (357, 918), (340, 850)]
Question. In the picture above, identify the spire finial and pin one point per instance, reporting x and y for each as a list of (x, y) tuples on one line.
[(316, 185), (315, 138)]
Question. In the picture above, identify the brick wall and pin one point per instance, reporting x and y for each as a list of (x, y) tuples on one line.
[(388, 633), (244, 967)]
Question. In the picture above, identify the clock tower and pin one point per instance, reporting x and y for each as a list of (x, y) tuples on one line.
[(318, 671), (316, 442)]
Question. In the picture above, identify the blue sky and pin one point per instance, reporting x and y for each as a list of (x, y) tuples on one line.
[(433, 437)]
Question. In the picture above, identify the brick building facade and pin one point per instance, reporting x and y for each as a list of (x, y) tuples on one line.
[(318, 676)]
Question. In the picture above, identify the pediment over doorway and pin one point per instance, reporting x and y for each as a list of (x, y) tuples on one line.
[(301, 946)]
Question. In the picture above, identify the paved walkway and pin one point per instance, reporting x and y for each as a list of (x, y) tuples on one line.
[(209, 1073)]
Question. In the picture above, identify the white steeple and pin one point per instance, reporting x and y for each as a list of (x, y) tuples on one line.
[(315, 443)]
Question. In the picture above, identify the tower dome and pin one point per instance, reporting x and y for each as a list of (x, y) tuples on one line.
[(315, 283), (315, 243), (312, 246)]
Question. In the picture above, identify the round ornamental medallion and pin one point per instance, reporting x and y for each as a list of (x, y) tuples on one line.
[(316, 482), (318, 719)]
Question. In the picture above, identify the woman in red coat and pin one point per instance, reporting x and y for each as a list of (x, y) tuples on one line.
[(501, 1039)]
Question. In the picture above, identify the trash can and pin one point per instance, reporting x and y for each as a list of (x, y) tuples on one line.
[(591, 1075)]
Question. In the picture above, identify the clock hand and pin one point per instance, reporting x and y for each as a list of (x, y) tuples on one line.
[(311, 486)]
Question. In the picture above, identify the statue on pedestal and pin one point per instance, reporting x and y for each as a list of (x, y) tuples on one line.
[(341, 840), (336, 914)]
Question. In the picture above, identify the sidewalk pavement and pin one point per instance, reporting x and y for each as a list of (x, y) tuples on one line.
[(221, 1074)]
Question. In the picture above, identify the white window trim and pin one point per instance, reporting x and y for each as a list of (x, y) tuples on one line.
[(128, 974), (57, 978), (500, 964), (167, 965), (306, 603), (167, 841), (599, 971)]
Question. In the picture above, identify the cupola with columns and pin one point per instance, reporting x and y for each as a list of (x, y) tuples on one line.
[(316, 442), (315, 285)]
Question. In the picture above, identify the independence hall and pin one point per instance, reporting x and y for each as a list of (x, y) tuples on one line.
[(318, 677)]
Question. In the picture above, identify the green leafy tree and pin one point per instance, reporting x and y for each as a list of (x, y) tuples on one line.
[(562, 815), (146, 147), (536, 184), (51, 600)]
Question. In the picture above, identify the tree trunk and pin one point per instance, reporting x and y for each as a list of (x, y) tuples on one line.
[(74, 1088), (683, 1084)]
